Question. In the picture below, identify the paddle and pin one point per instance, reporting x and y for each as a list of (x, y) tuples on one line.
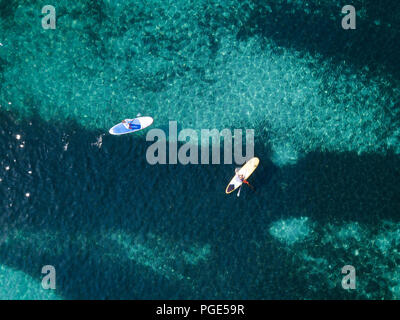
[(240, 188), (246, 182)]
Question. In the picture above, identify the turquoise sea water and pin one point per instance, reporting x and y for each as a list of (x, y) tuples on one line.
[(325, 107)]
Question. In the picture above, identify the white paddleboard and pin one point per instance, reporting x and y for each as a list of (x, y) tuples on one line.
[(134, 125)]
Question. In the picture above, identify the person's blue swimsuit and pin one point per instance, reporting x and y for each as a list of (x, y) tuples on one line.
[(133, 126)]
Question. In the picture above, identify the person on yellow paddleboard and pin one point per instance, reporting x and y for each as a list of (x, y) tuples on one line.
[(241, 176)]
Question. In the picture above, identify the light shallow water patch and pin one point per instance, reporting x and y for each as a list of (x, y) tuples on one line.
[(124, 58), (291, 231), (284, 155), (17, 285), (160, 255), (374, 255), (173, 260)]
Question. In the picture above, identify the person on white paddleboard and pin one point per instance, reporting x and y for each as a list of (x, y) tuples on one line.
[(128, 123)]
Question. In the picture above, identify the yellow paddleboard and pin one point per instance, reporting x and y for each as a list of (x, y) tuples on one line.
[(246, 171)]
